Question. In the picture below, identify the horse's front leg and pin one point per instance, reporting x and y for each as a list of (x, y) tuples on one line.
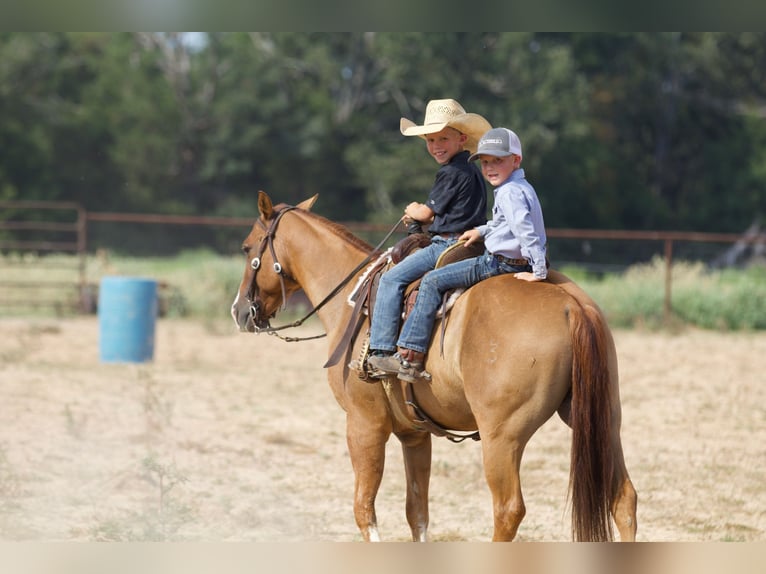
[(367, 449), (416, 448)]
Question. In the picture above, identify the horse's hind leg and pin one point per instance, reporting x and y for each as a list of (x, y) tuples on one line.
[(416, 448), (502, 460), (624, 511), (625, 499), (625, 502)]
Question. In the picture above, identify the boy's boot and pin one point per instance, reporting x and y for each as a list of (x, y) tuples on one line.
[(412, 368), (381, 364)]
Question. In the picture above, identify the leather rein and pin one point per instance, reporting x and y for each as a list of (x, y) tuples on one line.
[(420, 419), (255, 264)]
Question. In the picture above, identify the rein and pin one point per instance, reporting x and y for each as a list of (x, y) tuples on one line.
[(268, 240)]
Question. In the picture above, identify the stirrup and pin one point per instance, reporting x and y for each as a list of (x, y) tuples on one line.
[(366, 372)]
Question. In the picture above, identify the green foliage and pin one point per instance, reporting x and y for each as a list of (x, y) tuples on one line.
[(634, 298), (202, 284), (734, 299), (722, 300), (620, 130), (727, 300), (197, 283)]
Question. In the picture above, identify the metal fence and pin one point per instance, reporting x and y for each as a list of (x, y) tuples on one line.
[(68, 231)]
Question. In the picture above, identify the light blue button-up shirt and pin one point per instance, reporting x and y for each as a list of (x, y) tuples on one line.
[(517, 229)]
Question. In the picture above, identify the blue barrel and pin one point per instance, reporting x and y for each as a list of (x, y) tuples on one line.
[(127, 311)]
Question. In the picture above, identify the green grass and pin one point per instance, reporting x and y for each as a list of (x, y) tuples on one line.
[(196, 283), (722, 300), (202, 285)]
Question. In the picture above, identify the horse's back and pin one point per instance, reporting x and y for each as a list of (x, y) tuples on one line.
[(507, 348)]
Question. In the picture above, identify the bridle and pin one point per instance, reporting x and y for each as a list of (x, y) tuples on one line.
[(255, 265)]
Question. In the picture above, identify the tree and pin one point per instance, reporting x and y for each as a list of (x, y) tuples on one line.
[(620, 130)]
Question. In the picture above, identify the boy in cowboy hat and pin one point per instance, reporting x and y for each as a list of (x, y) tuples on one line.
[(457, 202), (514, 239)]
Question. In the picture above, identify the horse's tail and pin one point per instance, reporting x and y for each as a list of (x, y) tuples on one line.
[(592, 464)]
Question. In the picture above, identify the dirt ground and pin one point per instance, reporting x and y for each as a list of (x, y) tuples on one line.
[(237, 437)]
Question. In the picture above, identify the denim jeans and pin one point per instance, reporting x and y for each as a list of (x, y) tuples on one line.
[(416, 333), (387, 314)]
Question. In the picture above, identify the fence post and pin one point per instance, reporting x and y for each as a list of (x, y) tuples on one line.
[(85, 303), (668, 308)]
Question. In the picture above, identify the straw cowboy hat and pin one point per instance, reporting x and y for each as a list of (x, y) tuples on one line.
[(448, 113)]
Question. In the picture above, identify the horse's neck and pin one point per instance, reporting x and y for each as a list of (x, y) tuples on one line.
[(324, 261)]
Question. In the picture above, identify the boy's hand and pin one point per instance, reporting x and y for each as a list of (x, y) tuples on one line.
[(419, 212), (527, 276), (470, 236)]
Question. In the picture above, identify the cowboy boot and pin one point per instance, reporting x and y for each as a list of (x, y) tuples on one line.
[(412, 369), (381, 365)]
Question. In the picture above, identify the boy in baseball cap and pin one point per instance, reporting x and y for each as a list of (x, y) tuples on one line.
[(498, 142)]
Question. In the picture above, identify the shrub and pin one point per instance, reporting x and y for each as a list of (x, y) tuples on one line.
[(728, 299)]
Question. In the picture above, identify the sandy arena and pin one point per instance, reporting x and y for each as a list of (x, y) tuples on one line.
[(237, 437)]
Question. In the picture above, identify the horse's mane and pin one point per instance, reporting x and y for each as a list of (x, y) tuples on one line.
[(337, 229)]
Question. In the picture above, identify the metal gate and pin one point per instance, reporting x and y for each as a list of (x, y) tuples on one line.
[(43, 258)]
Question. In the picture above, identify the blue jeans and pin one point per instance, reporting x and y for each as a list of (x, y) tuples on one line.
[(416, 333), (387, 314)]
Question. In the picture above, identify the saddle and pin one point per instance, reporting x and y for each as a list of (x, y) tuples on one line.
[(363, 296), (363, 300)]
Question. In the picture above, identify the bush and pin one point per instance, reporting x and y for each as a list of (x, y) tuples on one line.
[(729, 299), (198, 283), (202, 284)]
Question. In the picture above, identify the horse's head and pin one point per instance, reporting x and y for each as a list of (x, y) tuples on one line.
[(267, 281)]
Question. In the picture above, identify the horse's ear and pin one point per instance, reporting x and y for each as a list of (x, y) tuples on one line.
[(264, 205), (308, 203)]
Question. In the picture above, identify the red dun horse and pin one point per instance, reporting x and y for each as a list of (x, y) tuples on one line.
[(514, 353)]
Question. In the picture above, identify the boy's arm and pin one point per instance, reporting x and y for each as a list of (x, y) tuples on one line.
[(418, 212), (519, 218)]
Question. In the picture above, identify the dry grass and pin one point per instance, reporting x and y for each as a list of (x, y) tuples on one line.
[(234, 437)]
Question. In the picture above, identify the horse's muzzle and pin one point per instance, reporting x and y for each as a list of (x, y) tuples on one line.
[(242, 319), (243, 316), (250, 318)]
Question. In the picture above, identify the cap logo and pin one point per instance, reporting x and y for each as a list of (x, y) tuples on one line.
[(498, 142)]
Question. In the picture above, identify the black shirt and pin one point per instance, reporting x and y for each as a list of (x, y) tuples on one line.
[(458, 197)]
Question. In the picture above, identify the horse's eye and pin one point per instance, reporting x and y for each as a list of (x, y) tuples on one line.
[(246, 249)]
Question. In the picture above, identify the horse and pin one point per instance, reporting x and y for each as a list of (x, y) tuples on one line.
[(512, 354)]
